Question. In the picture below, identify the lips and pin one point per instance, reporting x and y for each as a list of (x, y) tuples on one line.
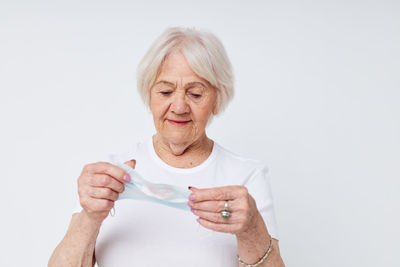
[(179, 123)]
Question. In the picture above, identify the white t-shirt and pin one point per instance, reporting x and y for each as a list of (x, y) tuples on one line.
[(149, 234)]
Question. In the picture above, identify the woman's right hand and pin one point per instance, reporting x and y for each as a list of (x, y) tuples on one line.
[(99, 185)]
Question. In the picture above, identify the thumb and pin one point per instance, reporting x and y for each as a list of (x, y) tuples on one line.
[(131, 163)]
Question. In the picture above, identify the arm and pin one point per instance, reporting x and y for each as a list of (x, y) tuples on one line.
[(253, 244), (245, 222), (77, 246), (99, 186)]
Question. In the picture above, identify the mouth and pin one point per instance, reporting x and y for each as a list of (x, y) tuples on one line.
[(178, 123)]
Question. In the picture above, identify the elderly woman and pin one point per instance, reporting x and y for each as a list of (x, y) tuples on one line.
[(185, 78)]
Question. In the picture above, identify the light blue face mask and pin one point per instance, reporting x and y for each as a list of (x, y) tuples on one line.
[(165, 194)]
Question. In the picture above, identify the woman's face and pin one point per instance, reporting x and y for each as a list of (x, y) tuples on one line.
[(181, 102)]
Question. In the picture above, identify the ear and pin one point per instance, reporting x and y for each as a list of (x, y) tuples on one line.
[(215, 109)]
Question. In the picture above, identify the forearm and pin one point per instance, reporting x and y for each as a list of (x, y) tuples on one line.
[(77, 246), (253, 244)]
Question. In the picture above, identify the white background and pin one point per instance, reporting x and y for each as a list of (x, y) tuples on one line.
[(317, 97)]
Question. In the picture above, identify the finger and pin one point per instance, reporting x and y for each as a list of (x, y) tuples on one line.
[(108, 168), (213, 205), (103, 193), (131, 163), (219, 227), (104, 180), (218, 193), (215, 217)]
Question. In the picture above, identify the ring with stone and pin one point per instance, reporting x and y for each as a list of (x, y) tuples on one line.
[(226, 213)]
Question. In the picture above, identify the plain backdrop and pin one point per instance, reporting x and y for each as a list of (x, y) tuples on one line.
[(317, 98)]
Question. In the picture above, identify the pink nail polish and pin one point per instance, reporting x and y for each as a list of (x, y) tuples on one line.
[(191, 209), (191, 197), (198, 220), (127, 177)]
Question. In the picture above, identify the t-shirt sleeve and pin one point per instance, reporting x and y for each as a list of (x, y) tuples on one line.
[(259, 188)]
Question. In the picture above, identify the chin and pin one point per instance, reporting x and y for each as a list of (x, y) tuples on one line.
[(176, 138)]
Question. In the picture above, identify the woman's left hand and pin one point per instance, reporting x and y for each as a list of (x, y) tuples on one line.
[(208, 204)]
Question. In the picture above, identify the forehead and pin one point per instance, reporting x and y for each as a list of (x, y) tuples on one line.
[(196, 84), (176, 70)]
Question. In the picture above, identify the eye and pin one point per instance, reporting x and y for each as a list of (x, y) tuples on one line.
[(196, 95), (165, 93)]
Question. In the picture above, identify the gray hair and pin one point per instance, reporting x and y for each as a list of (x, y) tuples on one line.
[(204, 53)]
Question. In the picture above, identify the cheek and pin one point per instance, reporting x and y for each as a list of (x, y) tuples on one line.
[(201, 113), (158, 107), (204, 109)]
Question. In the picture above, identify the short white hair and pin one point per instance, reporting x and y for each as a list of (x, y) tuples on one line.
[(204, 53)]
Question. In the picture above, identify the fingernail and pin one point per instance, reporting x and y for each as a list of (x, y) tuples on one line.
[(198, 220), (190, 203), (191, 209), (191, 197), (127, 177)]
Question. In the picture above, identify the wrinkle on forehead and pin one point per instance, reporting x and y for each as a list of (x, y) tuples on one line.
[(187, 85), (176, 70)]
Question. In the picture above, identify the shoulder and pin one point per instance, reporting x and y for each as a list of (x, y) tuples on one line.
[(240, 163), (132, 151), (239, 160)]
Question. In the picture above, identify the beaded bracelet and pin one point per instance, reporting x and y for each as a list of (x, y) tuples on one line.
[(262, 259)]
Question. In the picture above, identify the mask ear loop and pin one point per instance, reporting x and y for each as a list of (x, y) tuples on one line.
[(112, 212), (113, 160)]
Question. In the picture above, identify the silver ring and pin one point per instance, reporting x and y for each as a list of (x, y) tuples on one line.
[(226, 213)]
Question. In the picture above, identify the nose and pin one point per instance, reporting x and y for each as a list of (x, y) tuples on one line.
[(179, 104)]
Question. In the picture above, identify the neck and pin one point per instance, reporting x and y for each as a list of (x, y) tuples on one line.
[(183, 155)]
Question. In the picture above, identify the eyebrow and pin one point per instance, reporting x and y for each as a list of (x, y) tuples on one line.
[(190, 84)]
